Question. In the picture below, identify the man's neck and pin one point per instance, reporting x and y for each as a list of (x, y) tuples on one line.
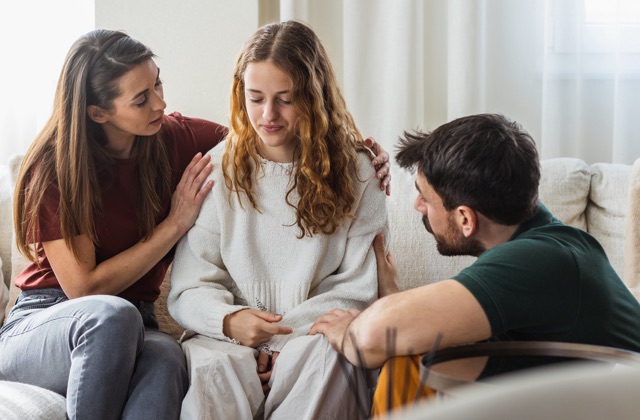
[(494, 234)]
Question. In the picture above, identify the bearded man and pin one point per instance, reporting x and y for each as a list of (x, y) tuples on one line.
[(535, 278)]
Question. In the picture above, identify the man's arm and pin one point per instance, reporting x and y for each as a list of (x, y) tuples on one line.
[(417, 316), (386, 267)]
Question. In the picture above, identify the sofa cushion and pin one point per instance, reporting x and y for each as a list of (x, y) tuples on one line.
[(564, 189), (607, 208), (27, 402), (6, 223), (18, 261)]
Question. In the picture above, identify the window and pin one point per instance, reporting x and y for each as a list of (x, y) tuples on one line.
[(36, 36), (598, 38), (612, 26)]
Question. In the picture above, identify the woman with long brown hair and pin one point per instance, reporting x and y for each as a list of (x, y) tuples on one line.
[(285, 236), (96, 214)]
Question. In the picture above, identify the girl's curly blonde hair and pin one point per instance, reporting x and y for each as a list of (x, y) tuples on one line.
[(327, 139)]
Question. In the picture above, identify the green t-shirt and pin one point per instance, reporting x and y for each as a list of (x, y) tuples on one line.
[(553, 282)]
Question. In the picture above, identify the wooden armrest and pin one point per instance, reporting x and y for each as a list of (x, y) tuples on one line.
[(444, 382), (536, 348)]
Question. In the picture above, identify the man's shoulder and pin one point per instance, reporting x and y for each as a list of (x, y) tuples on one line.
[(530, 245), (527, 259)]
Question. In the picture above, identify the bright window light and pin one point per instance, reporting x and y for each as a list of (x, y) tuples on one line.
[(612, 11)]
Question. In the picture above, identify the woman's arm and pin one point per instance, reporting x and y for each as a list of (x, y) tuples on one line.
[(83, 276)]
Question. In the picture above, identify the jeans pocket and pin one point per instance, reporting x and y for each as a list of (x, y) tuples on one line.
[(28, 302)]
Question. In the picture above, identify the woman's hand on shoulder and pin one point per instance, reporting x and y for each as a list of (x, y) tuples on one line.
[(381, 163), (252, 327), (191, 192)]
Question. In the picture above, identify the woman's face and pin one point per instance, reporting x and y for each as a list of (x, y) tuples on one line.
[(268, 100), (137, 111)]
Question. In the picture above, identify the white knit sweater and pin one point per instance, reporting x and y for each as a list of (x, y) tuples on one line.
[(235, 258)]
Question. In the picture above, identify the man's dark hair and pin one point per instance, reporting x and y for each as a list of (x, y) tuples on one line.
[(485, 161)]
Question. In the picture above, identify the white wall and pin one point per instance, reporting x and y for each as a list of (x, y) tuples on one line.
[(36, 35), (196, 42)]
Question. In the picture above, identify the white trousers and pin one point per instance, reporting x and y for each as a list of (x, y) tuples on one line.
[(310, 381)]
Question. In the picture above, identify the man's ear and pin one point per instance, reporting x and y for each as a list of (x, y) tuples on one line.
[(467, 220), (97, 114)]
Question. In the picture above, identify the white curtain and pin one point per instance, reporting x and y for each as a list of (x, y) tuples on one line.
[(36, 35), (567, 70)]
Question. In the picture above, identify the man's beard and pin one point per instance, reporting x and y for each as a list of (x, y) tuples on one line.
[(453, 243)]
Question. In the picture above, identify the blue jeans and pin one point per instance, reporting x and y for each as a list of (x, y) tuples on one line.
[(95, 351)]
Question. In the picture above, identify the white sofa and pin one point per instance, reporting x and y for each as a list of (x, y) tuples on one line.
[(603, 199)]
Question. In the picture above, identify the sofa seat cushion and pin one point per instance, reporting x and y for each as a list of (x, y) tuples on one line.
[(27, 402)]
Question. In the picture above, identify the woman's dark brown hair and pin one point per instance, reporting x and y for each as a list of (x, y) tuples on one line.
[(70, 152)]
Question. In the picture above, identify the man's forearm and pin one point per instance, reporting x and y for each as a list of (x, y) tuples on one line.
[(362, 344)]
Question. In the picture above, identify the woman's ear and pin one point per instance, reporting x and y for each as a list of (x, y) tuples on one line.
[(97, 114)]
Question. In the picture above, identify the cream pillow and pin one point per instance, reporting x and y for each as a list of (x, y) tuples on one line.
[(20, 401), (18, 262), (564, 189), (606, 215)]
